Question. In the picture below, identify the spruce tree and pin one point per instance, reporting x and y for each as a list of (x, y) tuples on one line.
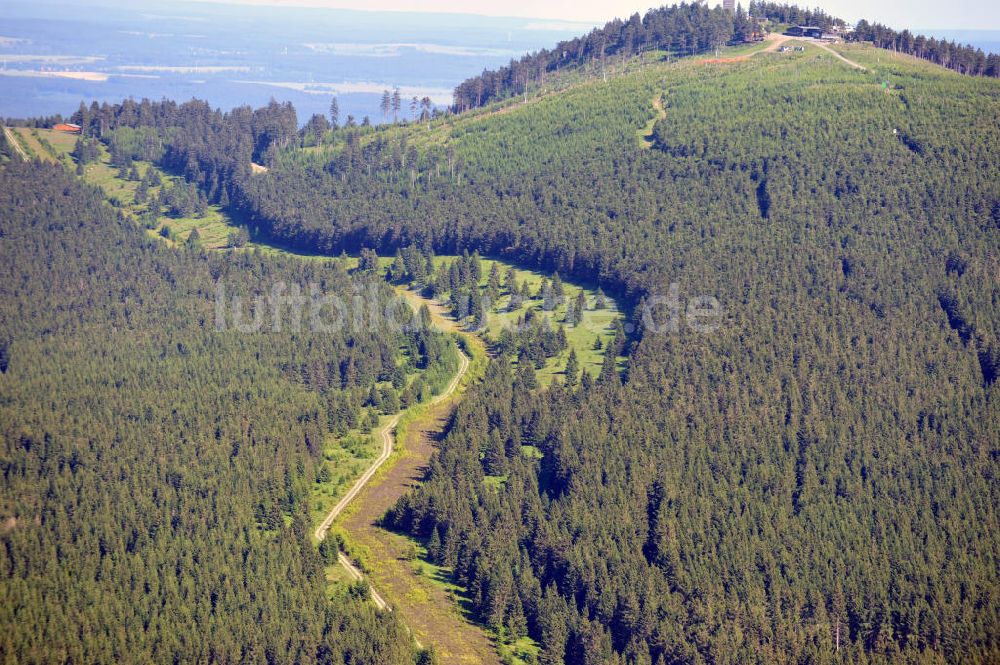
[(572, 368), (579, 308), (609, 367), (334, 113), (494, 460), (601, 301)]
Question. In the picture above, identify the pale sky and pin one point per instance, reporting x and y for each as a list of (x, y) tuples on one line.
[(927, 14)]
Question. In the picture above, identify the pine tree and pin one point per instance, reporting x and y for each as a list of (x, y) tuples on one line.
[(601, 301), (397, 104), (562, 341), (334, 113), (374, 398), (429, 268), (510, 281), (579, 308), (477, 311), (609, 368), (572, 368), (434, 545), (552, 627), (475, 269), (428, 656), (494, 460), (397, 271), (368, 260), (426, 322), (390, 401), (386, 105), (493, 286), (238, 238), (425, 114), (526, 373), (557, 288), (549, 300)]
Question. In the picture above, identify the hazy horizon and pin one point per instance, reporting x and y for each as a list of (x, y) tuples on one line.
[(53, 56), (899, 14)]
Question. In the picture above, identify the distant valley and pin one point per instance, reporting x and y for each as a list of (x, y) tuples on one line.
[(235, 55)]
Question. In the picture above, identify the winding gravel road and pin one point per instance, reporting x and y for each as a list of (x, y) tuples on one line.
[(388, 440)]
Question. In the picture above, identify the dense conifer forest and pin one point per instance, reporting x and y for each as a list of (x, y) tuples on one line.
[(812, 479), (155, 470)]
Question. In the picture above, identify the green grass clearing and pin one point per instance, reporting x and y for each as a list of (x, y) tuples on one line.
[(597, 325), (29, 138)]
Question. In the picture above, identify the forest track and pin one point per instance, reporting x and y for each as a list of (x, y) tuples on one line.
[(387, 447), (14, 142), (838, 56), (386, 434), (435, 612), (358, 576), (387, 440), (430, 608), (776, 41)]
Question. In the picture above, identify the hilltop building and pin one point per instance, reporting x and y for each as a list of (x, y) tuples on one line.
[(805, 31), (729, 5)]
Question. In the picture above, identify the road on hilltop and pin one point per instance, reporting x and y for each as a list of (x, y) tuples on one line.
[(776, 40)]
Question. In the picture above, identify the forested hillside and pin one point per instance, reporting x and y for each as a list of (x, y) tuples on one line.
[(156, 472), (812, 481), (686, 29)]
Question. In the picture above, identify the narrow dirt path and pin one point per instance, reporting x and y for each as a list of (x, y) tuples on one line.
[(386, 431), (427, 608), (425, 601), (838, 56), (15, 143), (421, 595), (774, 41), (386, 434), (357, 576)]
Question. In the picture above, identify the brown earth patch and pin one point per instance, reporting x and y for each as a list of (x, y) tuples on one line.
[(426, 607)]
